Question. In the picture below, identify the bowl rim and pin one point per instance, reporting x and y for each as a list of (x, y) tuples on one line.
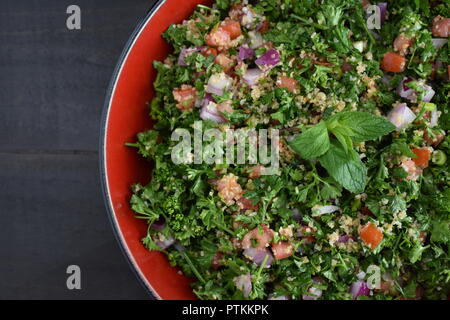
[(102, 148)]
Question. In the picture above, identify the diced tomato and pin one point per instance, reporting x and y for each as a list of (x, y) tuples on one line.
[(423, 157), (258, 238), (365, 3), (288, 83), (255, 172), (210, 52), (247, 204), (282, 250), (264, 27), (346, 67), (305, 233), (371, 235), (218, 38), (322, 63), (441, 27), (235, 12), (402, 43), (393, 62), (232, 27), (225, 62), (216, 260), (185, 96), (366, 211)]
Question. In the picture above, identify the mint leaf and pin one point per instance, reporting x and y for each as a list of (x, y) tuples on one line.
[(346, 168), (312, 143), (364, 126)]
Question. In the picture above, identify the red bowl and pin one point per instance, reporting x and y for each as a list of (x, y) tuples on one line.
[(124, 115)]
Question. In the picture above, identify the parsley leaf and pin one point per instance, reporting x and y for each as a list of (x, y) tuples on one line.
[(312, 143)]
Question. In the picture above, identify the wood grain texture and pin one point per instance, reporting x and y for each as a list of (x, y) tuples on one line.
[(52, 87)]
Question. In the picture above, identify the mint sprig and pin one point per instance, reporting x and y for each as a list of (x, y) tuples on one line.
[(336, 154)]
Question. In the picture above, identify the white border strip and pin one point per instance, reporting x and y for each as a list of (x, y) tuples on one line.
[(117, 77)]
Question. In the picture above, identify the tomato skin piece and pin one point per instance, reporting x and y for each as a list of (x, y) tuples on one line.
[(423, 157), (264, 27), (393, 62), (282, 250), (247, 204), (233, 28), (225, 62), (185, 96), (441, 27), (210, 52), (218, 38), (288, 83), (263, 238), (371, 235), (402, 43)]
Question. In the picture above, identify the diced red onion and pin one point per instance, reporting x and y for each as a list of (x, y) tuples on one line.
[(269, 59), (429, 93), (159, 225), (206, 100), (439, 42), (248, 17), (256, 40), (345, 238), (411, 94), (313, 292), (383, 11), (218, 83), (257, 255), (318, 211), (434, 117), (404, 91), (209, 112), (401, 116), (245, 53), (274, 297), (187, 52), (179, 247), (252, 76), (166, 243), (244, 283), (359, 288)]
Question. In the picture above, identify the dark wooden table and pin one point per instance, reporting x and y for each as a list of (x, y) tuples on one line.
[(52, 87)]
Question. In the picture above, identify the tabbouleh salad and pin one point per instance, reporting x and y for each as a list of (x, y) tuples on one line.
[(363, 116)]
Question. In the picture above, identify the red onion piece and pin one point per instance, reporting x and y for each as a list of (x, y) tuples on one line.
[(257, 255), (314, 293), (209, 112), (252, 76), (439, 42), (269, 59), (434, 117), (218, 83), (383, 11), (401, 116), (245, 53), (346, 238), (318, 211), (359, 288), (244, 283), (404, 91), (429, 94), (159, 225), (166, 243), (411, 94), (187, 52), (272, 296)]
